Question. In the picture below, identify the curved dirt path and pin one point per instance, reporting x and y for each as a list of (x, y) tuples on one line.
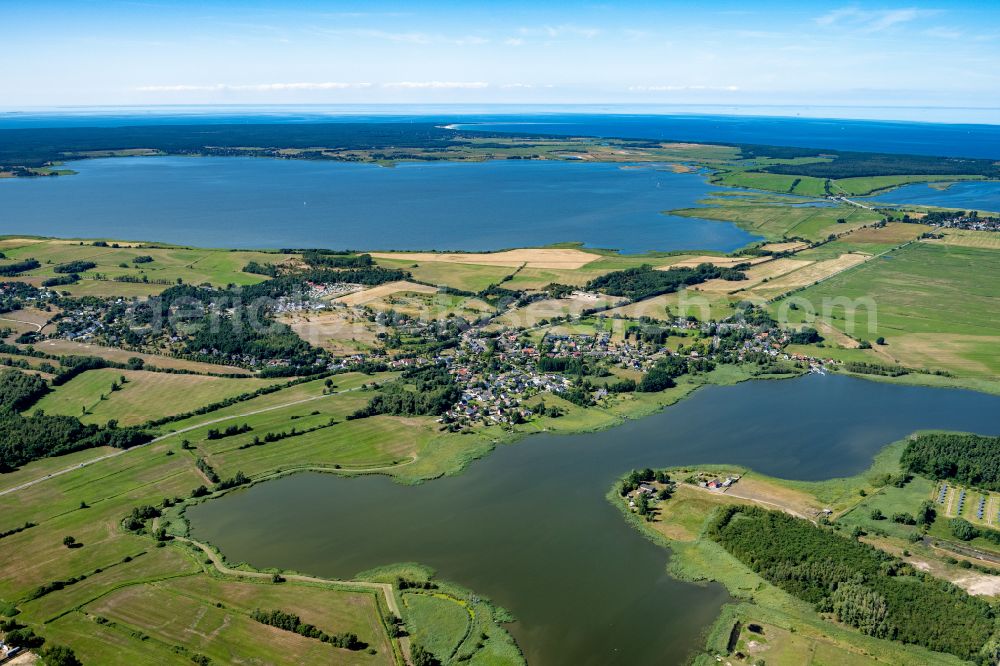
[(38, 326), (385, 588)]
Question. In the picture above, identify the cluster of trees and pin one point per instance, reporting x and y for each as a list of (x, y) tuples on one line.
[(285, 434), (569, 365), (972, 460), (421, 656), (256, 268), (404, 584), (137, 518), (27, 438), (207, 470), (237, 479), (18, 267), (20, 390), (142, 259), (215, 433), (645, 281), (335, 259), (419, 391), (865, 368), (293, 623), (639, 476), (805, 336), (861, 585), (663, 373), (74, 267), (61, 280)]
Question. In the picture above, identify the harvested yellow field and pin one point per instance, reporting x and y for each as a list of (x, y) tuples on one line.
[(937, 350), (985, 239), (808, 275), (338, 331), (33, 318), (894, 232), (533, 313), (375, 293), (755, 275), (715, 261), (790, 246), (431, 306), (531, 258), (8, 243)]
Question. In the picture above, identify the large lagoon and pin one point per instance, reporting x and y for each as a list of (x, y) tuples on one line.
[(270, 203), (529, 526), (973, 195)]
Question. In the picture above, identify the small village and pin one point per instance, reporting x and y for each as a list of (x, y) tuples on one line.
[(497, 369)]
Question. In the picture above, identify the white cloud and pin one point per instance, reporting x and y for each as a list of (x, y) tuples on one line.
[(437, 85), (565, 30), (872, 20), (514, 41), (517, 85), (942, 32), (681, 88), (255, 87), (404, 37)]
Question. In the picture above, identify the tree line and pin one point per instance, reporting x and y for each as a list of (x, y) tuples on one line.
[(645, 281)]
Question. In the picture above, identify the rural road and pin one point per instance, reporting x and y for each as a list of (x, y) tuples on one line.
[(113, 454)]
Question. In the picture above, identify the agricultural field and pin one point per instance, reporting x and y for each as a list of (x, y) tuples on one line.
[(780, 221), (340, 331), (144, 396), (982, 239), (61, 347), (930, 304), (369, 295), (157, 605), (168, 265), (431, 306), (804, 186), (544, 310)]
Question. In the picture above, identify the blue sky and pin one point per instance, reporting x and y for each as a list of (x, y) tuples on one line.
[(944, 53)]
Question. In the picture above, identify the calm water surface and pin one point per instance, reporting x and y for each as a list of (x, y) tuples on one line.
[(255, 203), (528, 526), (971, 195)]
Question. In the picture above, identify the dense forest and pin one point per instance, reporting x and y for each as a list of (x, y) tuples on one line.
[(333, 259), (645, 281), (973, 460), (663, 373), (852, 165), (18, 267), (27, 438), (34, 147), (420, 391), (859, 584)]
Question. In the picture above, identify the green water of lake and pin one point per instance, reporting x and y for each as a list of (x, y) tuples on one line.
[(529, 527)]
